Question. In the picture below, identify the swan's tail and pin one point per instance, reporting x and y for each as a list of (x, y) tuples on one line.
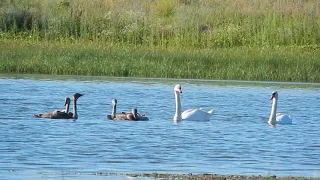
[(211, 111), (37, 115)]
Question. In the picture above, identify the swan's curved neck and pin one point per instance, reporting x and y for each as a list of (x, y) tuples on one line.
[(75, 115), (272, 119), (114, 109), (134, 114), (67, 107), (177, 115)]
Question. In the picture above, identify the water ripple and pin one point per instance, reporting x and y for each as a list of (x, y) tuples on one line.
[(237, 140)]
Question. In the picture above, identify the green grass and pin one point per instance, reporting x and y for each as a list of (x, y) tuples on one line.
[(274, 40), (165, 23), (238, 63)]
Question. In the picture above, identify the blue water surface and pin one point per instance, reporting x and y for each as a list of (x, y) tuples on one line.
[(237, 139)]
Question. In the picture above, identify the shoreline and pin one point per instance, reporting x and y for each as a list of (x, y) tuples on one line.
[(146, 80), (190, 176), (164, 176)]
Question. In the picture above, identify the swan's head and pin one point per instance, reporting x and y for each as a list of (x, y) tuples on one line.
[(114, 101), (67, 101), (77, 95), (274, 95), (134, 111), (177, 88)]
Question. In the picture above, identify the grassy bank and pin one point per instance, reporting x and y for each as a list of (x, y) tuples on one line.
[(165, 23), (274, 40), (89, 58)]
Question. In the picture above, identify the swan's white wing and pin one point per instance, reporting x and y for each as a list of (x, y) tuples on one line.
[(283, 118), (195, 115), (188, 111)]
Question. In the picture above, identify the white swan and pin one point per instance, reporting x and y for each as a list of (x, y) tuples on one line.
[(190, 114), (277, 118)]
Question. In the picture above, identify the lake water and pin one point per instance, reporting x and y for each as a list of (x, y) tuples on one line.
[(237, 139)]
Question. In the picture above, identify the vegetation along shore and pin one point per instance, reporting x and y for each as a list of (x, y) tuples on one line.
[(163, 176), (211, 39)]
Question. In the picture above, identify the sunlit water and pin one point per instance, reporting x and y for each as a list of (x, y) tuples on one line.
[(237, 139)]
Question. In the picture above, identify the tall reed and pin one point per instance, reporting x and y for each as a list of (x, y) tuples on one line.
[(165, 23), (238, 63)]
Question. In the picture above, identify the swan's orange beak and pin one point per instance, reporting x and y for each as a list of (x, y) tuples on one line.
[(180, 91)]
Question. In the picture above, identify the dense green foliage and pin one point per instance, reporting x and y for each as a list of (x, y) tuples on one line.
[(274, 40), (270, 64), (166, 23)]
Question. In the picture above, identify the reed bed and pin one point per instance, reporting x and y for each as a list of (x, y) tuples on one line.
[(238, 63), (272, 40), (165, 23)]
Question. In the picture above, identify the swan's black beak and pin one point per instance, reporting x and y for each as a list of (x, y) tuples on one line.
[(77, 95)]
